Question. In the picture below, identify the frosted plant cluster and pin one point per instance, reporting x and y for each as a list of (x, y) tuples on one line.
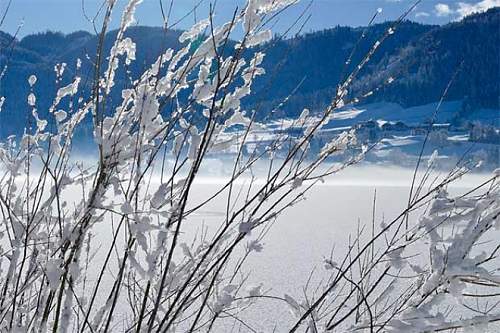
[(109, 246)]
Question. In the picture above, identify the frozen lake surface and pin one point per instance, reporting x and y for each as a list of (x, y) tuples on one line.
[(306, 233), (299, 240)]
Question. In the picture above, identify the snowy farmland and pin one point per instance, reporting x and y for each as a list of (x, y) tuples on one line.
[(396, 134)]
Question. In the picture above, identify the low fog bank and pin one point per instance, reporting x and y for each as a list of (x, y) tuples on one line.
[(366, 173)]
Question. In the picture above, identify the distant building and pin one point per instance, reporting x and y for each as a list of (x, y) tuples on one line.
[(391, 128), (484, 133), (367, 131)]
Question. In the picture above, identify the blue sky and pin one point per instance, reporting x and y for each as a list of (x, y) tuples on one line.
[(67, 15)]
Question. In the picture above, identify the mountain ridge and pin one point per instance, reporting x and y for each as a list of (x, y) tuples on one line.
[(420, 59)]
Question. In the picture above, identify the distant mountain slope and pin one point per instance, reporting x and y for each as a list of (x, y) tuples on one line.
[(316, 61), (424, 67), (38, 54), (421, 59)]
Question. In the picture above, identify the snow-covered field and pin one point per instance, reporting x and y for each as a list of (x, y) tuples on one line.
[(304, 235)]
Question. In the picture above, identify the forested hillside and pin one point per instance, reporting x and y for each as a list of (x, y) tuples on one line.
[(417, 59)]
